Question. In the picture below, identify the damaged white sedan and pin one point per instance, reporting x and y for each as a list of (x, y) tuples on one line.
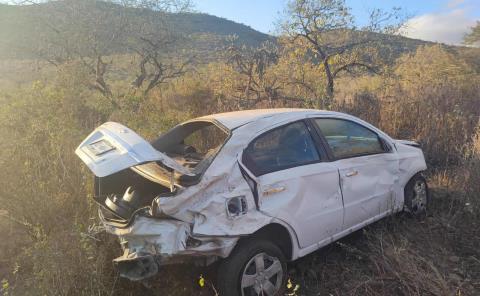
[(253, 189)]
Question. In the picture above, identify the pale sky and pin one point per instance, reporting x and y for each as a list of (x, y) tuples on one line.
[(434, 20)]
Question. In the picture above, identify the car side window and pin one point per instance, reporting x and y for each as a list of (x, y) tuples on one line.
[(349, 139), (281, 148)]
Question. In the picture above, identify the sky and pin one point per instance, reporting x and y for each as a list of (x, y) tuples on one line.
[(434, 20)]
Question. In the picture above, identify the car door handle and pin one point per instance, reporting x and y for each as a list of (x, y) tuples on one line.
[(351, 174), (273, 190)]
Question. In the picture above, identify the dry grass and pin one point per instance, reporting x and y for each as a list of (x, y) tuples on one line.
[(44, 186), (398, 256)]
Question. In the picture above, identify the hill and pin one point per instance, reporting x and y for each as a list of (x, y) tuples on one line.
[(21, 27)]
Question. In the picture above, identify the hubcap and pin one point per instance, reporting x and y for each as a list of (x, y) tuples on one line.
[(262, 275), (419, 200)]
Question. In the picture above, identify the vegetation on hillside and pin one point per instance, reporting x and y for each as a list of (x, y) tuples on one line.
[(56, 246), (23, 29)]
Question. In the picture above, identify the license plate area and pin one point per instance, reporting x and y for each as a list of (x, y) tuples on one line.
[(100, 147)]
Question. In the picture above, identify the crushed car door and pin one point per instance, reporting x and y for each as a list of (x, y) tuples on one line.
[(367, 167), (293, 183)]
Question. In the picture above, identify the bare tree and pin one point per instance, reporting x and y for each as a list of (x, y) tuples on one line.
[(152, 70), (329, 29), (91, 31), (253, 63), (154, 42), (84, 31)]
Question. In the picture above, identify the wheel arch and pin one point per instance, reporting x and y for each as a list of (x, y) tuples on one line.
[(281, 235), (412, 175), (418, 175)]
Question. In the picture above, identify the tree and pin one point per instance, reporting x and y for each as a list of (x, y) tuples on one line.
[(152, 39), (474, 36), (252, 64), (273, 74), (335, 42), (91, 31)]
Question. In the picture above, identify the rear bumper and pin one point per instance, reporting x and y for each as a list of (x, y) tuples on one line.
[(149, 243)]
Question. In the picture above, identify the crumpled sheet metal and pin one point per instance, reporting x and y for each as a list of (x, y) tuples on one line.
[(200, 211), (204, 205), (152, 236), (167, 238)]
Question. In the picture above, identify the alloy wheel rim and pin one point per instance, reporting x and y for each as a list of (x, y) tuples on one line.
[(262, 275), (419, 201)]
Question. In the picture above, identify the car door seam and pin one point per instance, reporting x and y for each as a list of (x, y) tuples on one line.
[(340, 183)]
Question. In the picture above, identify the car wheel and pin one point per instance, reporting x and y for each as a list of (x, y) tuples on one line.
[(417, 196), (255, 267)]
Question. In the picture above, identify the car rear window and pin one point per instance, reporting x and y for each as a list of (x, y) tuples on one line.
[(193, 144)]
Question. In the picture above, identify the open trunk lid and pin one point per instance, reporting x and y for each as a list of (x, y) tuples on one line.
[(113, 147)]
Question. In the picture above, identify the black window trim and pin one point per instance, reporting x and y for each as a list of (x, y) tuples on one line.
[(320, 150), (385, 146), (321, 141), (318, 141)]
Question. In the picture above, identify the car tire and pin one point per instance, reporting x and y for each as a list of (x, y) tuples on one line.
[(417, 197), (241, 274)]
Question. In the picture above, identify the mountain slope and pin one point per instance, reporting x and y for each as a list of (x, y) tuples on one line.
[(22, 31), (21, 27)]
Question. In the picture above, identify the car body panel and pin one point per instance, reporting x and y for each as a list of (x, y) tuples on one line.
[(310, 207), (369, 186), (306, 197), (411, 161), (124, 149)]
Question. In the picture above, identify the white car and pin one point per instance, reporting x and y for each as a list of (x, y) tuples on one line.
[(254, 189)]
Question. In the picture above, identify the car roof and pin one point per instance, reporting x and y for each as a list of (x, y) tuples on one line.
[(232, 120)]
